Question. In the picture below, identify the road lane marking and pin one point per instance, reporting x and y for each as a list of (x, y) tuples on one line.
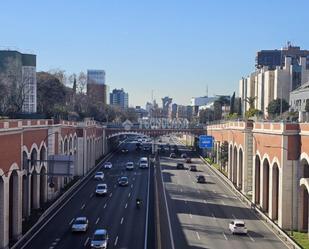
[(121, 220), (234, 216), (91, 195), (224, 236), (86, 242), (83, 206), (250, 237), (105, 205), (97, 221), (129, 195), (131, 185), (198, 236), (57, 239), (71, 221), (126, 205), (133, 178), (116, 241), (110, 195), (190, 215)]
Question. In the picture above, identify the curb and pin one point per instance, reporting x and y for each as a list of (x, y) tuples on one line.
[(287, 240), (80, 183)]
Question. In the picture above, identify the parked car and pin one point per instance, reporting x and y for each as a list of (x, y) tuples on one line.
[(123, 181), (238, 227), (99, 175), (108, 165), (129, 166), (183, 155), (80, 224), (201, 179), (180, 166), (101, 189), (193, 168), (99, 239), (172, 155)]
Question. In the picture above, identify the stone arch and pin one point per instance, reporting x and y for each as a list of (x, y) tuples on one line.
[(265, 184), (65, 146), (43, 155), (33, 158), (43, 186), (71, 143), (230, 162), (275, 178), (234, 167), (257, 179), (75, 142), (35, 191), (303, 193), (240, 167), (15, 204)]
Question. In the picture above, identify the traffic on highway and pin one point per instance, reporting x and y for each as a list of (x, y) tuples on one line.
[(114, 207)]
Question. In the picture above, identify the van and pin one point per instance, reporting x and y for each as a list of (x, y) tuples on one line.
[(143, 163)]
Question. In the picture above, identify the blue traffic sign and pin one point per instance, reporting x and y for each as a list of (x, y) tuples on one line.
[(205, 142)]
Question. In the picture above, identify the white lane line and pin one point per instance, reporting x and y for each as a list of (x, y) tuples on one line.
[(126, 205), (51, 247), (91, 195), (213, 216), (111, 194), (83, 206), (129, 195), (105, 205), (233, 216), (198, 236), (86, 242), (97, 221), (131, 185), (54, 243), (121, 220), (71, 221), (116, 241), (250, 237), (57, 239), (224, 236)]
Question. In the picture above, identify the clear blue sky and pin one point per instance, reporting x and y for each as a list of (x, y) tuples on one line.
[(174, 47)]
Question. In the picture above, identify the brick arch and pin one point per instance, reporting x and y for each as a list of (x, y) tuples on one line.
[(265, 182), (257, 178), (240, 165), (275, 188)]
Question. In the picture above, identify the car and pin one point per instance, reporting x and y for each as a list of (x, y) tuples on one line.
[(172, 155), (238, 227), (180, 166), (99, 175), (123, 181), (80, 224), (193, 168), (188, 160), (99, 239), (101, 189), (129, 166), (124, 150), (201, 179), (108, 165), (146, 148), (183, 155), (143, 163)]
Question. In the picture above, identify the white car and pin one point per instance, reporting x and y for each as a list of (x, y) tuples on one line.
[(129, 166), (99, 175), (108, 165), (99, 239), (143, 163), (238, 226), (101, 189), (80, 224)]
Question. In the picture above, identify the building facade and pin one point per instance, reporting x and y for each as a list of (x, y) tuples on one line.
[(19, 70), (96, 87), (118, 97)]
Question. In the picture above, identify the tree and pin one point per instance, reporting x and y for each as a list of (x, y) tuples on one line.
[(224, 153), (250, 101), (217, 110), (206, 115), (51, 94), (277, 106)]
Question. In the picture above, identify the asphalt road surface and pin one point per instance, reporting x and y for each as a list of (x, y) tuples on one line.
[(199, 214), (115, 212)]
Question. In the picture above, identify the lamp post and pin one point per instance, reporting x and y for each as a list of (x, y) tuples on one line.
[(292, 192)]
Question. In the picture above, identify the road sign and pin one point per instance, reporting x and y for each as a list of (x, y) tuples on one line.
[(205, 142)]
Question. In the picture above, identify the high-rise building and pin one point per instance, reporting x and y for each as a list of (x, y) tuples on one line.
[(166, 105), (271, 81), (118, 97), (19, 70), (96, 87)]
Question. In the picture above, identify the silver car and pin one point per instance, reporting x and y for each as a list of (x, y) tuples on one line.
[(80, 224), (101, 189), (99, 239)]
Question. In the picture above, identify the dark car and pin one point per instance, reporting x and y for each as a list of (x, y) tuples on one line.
[(180, 166), (146, 148), (193, 168), (188, 160), (124, 150), (172, 155), (201, 179), (123, 181), (184, 155)]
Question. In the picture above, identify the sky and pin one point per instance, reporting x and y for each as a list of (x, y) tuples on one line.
[(171, 47)]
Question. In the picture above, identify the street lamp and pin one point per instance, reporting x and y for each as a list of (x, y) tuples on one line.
[(292, 192)]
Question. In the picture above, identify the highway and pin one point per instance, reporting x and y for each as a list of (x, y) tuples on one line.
[(115, 212), (199, 214)]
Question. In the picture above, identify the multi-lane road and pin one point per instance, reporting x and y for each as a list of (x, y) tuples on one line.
[(188, 214), (115, 212), (200, 213)]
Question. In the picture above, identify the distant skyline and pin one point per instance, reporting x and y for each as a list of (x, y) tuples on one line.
[(175, 48)]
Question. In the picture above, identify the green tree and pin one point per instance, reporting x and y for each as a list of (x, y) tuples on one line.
[(277, 106), (250, 101), (206, 115), (224, 153), (217, 110)]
